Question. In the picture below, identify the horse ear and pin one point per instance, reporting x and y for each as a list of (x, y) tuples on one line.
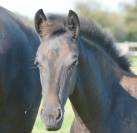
[(40, 22), (73, 23)]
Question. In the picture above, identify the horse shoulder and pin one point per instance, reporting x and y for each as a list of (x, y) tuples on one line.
[(129, 83)]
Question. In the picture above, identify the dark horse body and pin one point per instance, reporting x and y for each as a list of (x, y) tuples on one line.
[(78, 60), (20, 89)]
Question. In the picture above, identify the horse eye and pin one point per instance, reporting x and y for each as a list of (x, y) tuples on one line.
[(36, 62), (75, 63)]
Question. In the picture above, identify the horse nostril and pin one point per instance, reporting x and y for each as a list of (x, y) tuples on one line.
[(59, 116)]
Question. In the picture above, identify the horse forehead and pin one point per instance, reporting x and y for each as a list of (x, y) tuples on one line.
[(54, 53), (65, 50), (59, 48)]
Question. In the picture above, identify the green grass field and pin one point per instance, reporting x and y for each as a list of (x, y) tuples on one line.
[(68, 117), (133, 61)]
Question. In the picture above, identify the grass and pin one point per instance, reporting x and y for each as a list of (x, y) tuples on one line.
[(68, 117), (133, 61)]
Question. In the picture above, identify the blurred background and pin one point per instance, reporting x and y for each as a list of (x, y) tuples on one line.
[(119, 17)]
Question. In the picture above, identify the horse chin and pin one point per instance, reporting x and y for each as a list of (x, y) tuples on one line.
[(53, 127)]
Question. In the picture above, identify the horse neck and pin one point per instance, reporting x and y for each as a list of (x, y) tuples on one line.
[(97, 85)]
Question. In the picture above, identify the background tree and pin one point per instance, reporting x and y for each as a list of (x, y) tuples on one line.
[(122, 25), (131, 21)]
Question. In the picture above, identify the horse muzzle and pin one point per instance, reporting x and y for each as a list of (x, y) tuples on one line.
[(52, 118)]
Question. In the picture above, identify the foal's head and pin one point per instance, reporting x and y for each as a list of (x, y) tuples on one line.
[(57, 58)]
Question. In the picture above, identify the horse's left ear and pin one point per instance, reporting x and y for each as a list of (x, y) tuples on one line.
[(73, 23)]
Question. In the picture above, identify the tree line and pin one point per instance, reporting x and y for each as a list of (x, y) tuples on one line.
[(122, 25)]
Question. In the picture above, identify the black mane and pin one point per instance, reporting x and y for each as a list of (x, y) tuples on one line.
[(104, 40), (99, 36)]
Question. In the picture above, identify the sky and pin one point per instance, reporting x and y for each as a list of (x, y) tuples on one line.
[(29, 7)]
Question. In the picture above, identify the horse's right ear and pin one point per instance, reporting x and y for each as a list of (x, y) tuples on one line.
[(40, 22)]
